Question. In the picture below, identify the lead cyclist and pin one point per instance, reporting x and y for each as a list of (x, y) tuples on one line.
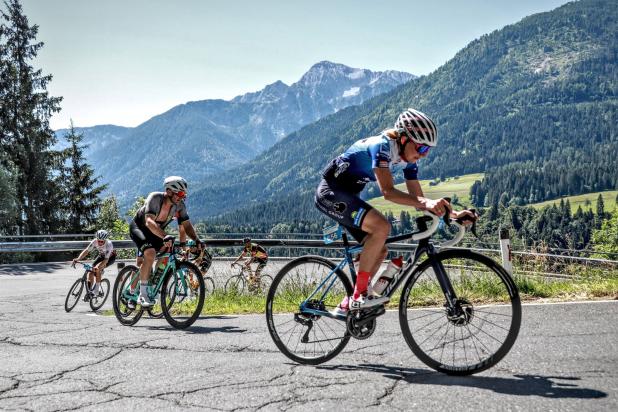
[(371, 159)]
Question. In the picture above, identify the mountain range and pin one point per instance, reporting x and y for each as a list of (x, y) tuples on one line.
[(538, 97), (200, 138)]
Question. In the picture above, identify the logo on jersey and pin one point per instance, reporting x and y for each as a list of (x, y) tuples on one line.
[(340, 207), (342, 167)]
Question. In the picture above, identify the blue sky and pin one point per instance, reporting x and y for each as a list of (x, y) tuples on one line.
[(124, 61)]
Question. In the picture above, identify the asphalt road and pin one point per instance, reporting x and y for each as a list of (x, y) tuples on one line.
[(565, 359)]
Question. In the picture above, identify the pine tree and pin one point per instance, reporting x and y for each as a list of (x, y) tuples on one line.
[(600, 211), (110, 220), (79, 184), (25, 135)]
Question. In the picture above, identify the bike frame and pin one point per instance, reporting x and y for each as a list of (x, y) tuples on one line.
[(171, 265), (424, 247)]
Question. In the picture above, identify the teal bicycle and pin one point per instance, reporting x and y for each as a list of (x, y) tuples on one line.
[(459, 311), (178, 292)]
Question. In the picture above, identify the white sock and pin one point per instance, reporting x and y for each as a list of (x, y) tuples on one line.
[(96, 288), (143, 290)]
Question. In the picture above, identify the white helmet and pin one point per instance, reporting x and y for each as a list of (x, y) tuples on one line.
[(175, 184), (418, 127), (102, 234)]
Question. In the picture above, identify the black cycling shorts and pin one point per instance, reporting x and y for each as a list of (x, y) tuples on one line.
[(101, 258), (343, 206), (144, 238)]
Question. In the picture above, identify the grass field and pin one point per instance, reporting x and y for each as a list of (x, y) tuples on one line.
[(452, 185), (587, 201)]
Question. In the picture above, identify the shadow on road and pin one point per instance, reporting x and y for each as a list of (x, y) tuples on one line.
[(525, 385), (21, 269), (200, 329)]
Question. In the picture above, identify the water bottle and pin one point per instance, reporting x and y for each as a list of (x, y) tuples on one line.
[(379, 283), (159, 270)]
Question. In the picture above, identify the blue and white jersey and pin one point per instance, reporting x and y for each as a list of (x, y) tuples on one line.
[(356, 164)]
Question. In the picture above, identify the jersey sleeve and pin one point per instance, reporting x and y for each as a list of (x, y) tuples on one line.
[(410, 172), (109, 248), (181, 214), (380, 155), (153, 204), (91, 246)]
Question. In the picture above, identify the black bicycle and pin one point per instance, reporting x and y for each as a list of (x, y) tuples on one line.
[(459, 311), (96, 301)]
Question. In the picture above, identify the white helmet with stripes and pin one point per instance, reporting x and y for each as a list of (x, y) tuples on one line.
[(176, 184), (418, 127)]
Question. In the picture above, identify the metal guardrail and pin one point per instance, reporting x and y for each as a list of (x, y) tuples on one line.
[(78, 245)]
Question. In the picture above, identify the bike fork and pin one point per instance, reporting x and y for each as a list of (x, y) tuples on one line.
[(443, 279)]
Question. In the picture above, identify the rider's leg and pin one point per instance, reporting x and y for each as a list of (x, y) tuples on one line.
[(377, 228), (144, 272), (98, 273)]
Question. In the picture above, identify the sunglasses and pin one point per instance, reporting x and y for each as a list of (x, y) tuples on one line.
[(422, 148), (181, 194)]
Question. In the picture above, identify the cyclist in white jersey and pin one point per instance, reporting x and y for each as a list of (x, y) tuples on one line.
[(106, 257)]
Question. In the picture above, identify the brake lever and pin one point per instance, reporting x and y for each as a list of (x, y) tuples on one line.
[(467, 218)]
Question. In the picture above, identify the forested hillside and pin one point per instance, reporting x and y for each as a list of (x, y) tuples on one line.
[(532, 105)]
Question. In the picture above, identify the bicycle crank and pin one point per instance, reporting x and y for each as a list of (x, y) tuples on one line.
[(362, 323)]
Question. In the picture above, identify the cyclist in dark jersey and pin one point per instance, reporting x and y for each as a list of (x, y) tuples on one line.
[(371, 159), (147, 227), (258, 254)]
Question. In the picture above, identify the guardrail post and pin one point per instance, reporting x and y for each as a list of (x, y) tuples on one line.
[(505, 249)]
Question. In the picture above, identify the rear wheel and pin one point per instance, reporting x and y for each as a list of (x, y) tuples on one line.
[(209, 283), (96, 302), (478, 331), (123, 299), (298, 309), (74, 294)]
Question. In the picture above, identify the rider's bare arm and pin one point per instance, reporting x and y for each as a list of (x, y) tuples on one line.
[(190, 230), (414, 188), (182, 233), (81, 255), (392, 194), (154, 227)]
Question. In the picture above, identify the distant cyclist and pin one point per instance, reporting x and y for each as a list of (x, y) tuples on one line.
[(106, 257), (371, 159), (147, 227), (258, 254)]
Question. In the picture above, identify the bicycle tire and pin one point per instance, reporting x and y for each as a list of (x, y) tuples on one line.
[(75, 294), (289, 281), (97, 302), (171, 315), (265, 282), (209, 283), (235, 284), (124, 314), (479, 283)]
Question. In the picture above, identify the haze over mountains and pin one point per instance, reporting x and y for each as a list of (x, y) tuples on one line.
[(200, 138), (535, 99)]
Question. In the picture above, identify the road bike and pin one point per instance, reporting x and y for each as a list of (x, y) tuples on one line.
[(203, 260), (96, 301), (238, 283), (459, 310), (178, 291)]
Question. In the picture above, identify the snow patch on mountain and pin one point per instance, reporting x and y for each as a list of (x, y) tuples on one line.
[(351, 92)]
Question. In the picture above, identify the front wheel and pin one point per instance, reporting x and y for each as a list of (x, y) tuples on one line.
[(298, 310), (235, 284), (74, 294), (96, 302), (478, 331), (181, 303)]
